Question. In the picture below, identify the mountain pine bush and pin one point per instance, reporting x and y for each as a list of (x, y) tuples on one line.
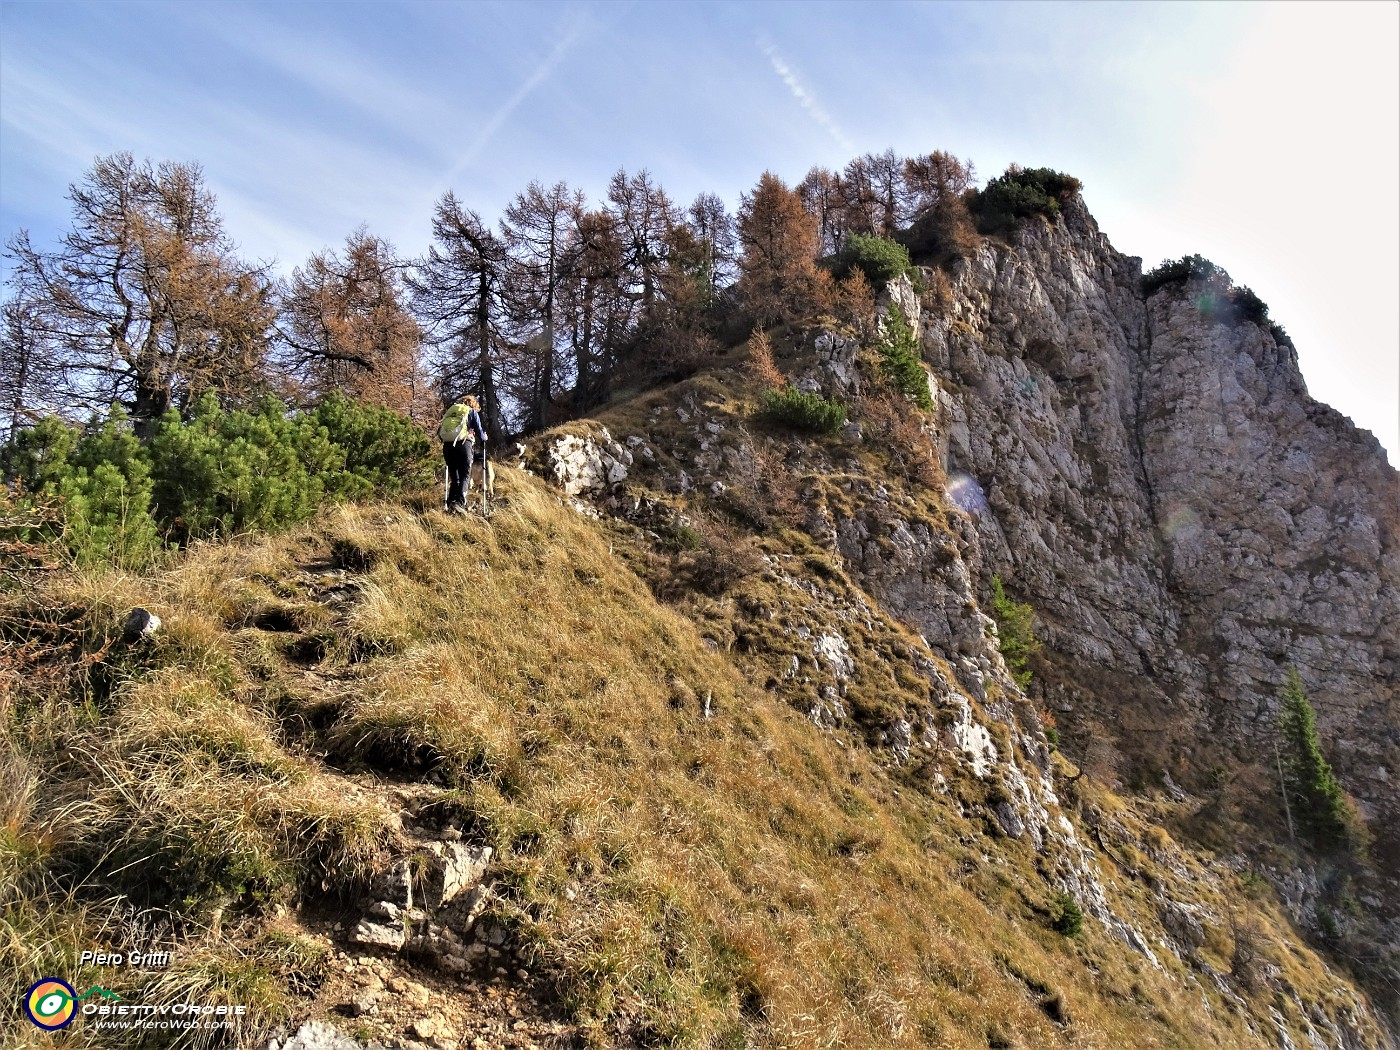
[(900, 360), (216, 473), (1314, 793), (1179, 271), (384, 451), (879, 258), (1016, 630), (791, 407), (1220, 300), (1019, 194)]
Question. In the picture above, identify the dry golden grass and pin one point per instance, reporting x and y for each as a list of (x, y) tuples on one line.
[(729, 880)]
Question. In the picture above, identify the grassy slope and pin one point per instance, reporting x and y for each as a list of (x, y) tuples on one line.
[(739, 879)]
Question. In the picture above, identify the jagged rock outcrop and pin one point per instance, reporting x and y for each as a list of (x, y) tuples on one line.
[(589, 464), (1185, 519)]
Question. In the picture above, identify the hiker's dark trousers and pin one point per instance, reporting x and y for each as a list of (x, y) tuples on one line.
[(458, 455)]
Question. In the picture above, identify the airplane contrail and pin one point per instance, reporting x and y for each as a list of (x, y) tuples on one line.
[(805, 97), (539, 75)]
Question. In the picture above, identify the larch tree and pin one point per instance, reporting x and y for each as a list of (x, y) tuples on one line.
[(820, 192), (144, 302), (713, 229), (347, 326), (29, 373), (644, 216), (675, 332), (457, 295), (601, 305), (937, 185), (537, 231), (859, 203), (778, 280), (889, 196)]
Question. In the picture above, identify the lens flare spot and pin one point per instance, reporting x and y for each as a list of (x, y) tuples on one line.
[(967, 495), (1182, 524)]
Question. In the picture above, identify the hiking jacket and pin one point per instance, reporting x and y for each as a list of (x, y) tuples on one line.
[(461, 424)]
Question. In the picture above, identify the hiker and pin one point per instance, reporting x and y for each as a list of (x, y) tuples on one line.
[(460, 430)]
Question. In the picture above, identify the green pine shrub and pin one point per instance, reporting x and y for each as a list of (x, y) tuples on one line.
[(1179, 271), (101, 478), (1246, 306), (384, 451), (900, 360), (217, 472), (1019, 194), (108, 514), (1314, 793), (790, 407), (226, 472), (1218, 298), (879, 258), (1066, 917), (1016, 631)]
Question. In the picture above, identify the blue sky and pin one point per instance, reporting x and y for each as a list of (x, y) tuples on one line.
[(1265, 136)]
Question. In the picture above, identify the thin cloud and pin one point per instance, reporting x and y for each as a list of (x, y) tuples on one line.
[(71, 126), (344, 74), (538, 76), (804, 97)]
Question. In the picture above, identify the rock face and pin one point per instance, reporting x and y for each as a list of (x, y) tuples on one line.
[(1185, 519), (589, 465)]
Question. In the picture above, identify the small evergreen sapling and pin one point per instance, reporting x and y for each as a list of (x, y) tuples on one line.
[(1016, 630), (900, 360), (1311, 788)]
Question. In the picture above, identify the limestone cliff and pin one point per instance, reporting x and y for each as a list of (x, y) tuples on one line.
[(1185, 519)]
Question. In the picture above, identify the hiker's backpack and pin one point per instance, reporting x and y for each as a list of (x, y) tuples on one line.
[(455, 426)]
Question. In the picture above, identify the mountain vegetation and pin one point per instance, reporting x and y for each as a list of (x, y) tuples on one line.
[(731, 713), (1316, 794)]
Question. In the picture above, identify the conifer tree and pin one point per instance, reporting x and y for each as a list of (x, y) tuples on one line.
[(457, 294), (29, 370), (778, 277), (347, 324), (144, 302), (820, 192), (713, 228), (937, 184), (1313, 791), (1016, 631), (536, 230), (598, 306), (644, 217)]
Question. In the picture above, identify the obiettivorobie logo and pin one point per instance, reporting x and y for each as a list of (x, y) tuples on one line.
[(51, 1002)]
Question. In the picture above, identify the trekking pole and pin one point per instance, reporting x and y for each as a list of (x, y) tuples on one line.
[(446, 480), (484, 467)]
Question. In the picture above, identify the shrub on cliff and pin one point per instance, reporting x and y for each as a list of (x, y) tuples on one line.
[(1312, 790), (792, 408), (900, 360), (1019, 194), (1179, 271), (1219, 299), (879, 258), (1016, 631), (1066, 917)]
